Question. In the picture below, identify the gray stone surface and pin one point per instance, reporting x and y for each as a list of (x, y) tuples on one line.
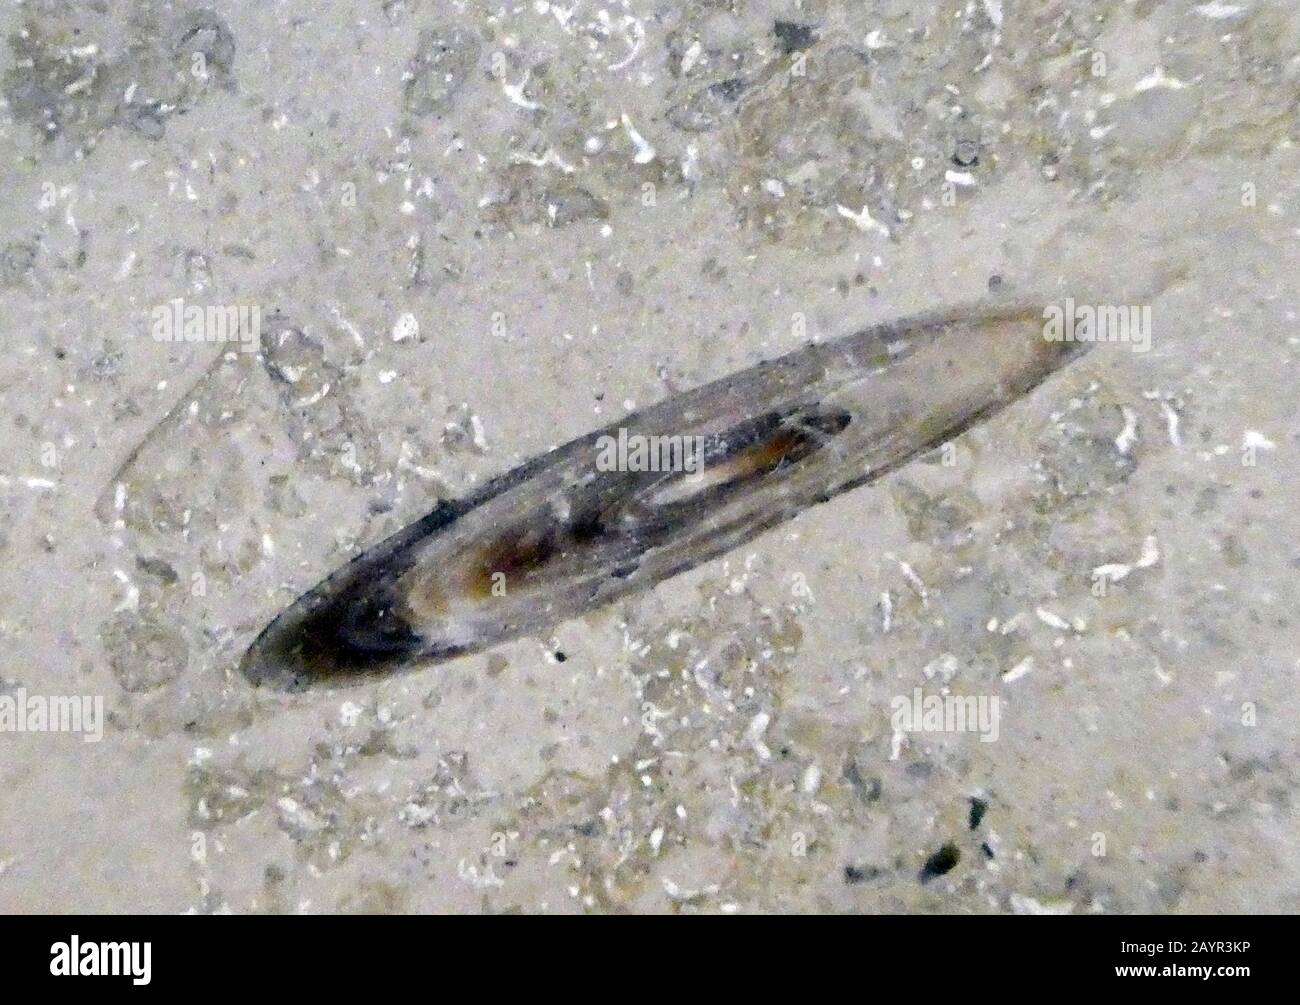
[(475, 231)]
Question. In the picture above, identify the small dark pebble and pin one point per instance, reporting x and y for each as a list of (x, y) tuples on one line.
[(978, 807), (988, 852), (560, 657), (940, 863), (794, 37)]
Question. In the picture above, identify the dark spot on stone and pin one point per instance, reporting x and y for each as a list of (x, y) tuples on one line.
[(794, 37), (856, 874), (712, 269), (995, 282), (966, 153), (866, 789), (560, 657), (988, 851), (978, 807), (940, 863), (728, 90), (157, 567)]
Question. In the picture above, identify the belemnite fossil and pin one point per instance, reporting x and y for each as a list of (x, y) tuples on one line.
[(656, 493)]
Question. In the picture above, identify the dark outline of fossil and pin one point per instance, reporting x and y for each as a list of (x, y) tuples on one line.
[(780, 436)]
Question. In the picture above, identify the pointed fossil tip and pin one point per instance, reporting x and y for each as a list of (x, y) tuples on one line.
[(272, 663), (335, 635), (291, 652)]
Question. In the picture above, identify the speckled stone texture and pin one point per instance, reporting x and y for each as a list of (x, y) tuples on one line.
[(472, 232)]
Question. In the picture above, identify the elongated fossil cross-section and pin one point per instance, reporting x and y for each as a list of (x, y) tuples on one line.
[(562, 533)]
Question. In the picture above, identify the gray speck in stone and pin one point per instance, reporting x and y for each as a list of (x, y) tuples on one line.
[(443, 61), (207, 34), (17, 259), (146, 118), (867, 789), (855, 874), (158, 568), (144, 652), (704, 109), (794, 37), (966, 153)]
